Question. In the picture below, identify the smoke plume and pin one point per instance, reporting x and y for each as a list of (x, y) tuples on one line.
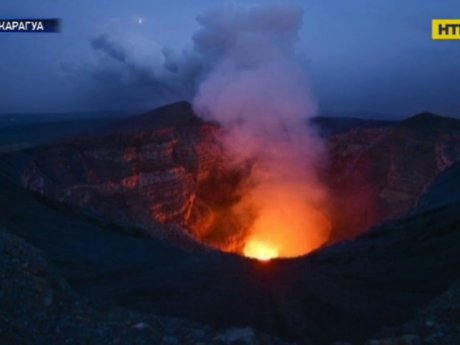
[(243, 72), (256, 88)]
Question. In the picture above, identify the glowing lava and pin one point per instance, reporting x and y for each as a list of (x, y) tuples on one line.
[(286, 230), (260, 251)]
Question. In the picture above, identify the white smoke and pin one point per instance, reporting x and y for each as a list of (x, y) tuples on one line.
[(257, 89), (245, 73)]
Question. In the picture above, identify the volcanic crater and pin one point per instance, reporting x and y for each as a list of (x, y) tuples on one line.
[(132, 212), (169, 167)]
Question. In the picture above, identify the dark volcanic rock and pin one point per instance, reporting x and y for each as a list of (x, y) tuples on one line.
[(139, 176), (438, 323), (162, 167), (38, 307), (332, 126), (347, 292), (380, 173), (167, 167), (443, 190)]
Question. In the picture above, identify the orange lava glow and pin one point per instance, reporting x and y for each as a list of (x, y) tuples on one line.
[(260, 251), (285, 230)]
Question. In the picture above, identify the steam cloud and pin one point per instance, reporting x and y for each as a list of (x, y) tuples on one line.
[(245, 74), (257, 89), (143, 62)]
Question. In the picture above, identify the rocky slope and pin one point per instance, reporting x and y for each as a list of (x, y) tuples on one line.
[(141, 176), (167, 167), (347, 292), (37, 306), (438, 323), (379, 173)]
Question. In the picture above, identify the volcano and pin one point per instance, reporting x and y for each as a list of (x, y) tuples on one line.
[(168, 167), (141, 214)]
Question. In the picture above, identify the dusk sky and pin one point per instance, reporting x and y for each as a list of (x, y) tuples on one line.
[(376, 56)]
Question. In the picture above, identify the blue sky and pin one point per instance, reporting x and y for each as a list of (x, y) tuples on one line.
[(362, 55)]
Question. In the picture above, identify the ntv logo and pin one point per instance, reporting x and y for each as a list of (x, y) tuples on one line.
[(446, 29)]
